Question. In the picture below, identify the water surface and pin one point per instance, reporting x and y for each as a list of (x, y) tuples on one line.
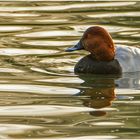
[(40, 96)]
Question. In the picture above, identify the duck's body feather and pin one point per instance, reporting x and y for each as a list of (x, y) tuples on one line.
[(128, 57), (89, 65)]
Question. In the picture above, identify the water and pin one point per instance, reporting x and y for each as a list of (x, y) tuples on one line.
[(40, 96)]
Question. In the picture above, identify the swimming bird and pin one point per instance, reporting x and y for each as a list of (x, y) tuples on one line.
[(105, 57)]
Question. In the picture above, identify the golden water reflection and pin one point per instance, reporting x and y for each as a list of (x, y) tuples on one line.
[(40, 95)]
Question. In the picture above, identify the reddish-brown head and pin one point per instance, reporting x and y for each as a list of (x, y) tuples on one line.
[(99, 43)]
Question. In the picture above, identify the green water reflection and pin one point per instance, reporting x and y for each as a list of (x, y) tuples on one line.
[(40, 96)]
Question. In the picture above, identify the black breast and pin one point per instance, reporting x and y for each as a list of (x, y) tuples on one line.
[(88, 65)]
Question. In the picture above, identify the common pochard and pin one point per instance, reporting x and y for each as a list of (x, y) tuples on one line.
[(105, 57)]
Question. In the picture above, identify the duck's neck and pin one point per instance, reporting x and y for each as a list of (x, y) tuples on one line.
[(104, 54)]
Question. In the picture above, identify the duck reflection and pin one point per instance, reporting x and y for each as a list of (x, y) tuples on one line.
[(99, 98), (129, 80), (100, 93)]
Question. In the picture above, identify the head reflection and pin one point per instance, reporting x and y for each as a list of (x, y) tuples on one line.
[(100, 93)]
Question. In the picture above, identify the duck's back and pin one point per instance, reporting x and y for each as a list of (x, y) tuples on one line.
[(129, 58), (88, 65)]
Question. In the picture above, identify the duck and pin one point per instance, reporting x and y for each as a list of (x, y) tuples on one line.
[(104, 56)]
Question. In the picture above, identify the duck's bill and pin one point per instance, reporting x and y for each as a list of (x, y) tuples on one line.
[(78, 46)]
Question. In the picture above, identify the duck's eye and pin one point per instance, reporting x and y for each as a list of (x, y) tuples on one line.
[(88, 44), (95, 45)]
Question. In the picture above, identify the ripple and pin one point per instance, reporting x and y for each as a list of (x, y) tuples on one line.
[(125, 97), (121, 14), (17, 128), (15, 51), (137, 103), (50, 21), (129, 82), (41, 21), (49, 43), (62, 69), (128, 33), (38, 89), (40, 110), (85, 138), (110, 28), (18, 15), (127, 91), (108, 124), (50, 34), (72, 80), (11, 70), (52, 73), (7, 129), (67, 7), (58, 61), (13, 28), (136, 35)]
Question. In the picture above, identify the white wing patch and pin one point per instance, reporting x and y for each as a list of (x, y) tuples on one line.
[(129, 58)]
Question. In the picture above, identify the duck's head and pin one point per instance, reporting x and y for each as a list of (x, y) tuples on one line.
[(98, 42)]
